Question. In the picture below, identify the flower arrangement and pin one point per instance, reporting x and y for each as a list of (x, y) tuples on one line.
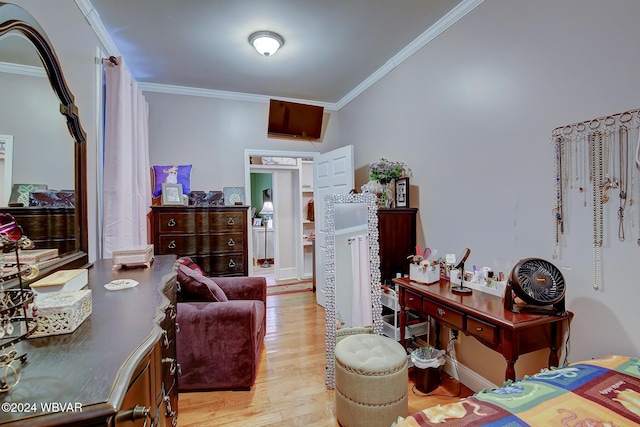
[(385, 170)]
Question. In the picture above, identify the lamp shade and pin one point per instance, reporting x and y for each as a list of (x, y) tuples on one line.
[(267, 208), (266, 42)]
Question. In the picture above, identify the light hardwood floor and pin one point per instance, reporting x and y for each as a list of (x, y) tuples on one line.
[(290, 389)]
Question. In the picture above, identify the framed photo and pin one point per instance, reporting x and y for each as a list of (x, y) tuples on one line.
[(172, 194), (257, 222), (402, 193), (233, 196)]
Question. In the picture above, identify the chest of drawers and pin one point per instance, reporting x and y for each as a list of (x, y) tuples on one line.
[(215, 237)]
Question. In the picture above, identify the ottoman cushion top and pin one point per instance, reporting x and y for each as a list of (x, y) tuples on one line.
[(370, 354)]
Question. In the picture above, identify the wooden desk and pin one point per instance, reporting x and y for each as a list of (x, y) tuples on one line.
[(483, 316)]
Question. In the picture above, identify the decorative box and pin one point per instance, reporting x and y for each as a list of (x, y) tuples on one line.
[(61, 312), (427, 275), (31, 256), (135, 256)]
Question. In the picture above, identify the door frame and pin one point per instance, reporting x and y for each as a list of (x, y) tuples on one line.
[(248, 153)]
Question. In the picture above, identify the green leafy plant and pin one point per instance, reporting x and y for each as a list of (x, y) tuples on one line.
[(385, 170)]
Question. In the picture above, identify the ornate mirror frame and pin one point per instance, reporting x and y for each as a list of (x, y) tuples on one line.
[(14, 19), (330, 271)]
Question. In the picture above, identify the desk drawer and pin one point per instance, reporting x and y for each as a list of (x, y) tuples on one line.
[(445, 314), (412, 301), (483, 330)]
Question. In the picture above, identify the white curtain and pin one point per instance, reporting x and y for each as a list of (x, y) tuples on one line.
[(361, 311), (127, 181)]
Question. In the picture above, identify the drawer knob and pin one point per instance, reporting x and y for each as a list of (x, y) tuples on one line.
[(230, 221), (478, 329), (410, 298), (231, 243), (232, 263), (441, 312), (171, 222), (172, 244)]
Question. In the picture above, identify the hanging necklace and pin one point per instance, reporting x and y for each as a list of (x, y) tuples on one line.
[(623, 148), (597, 174), (559, 224)]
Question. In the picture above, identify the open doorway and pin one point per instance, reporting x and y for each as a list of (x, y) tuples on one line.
[(289, 227)]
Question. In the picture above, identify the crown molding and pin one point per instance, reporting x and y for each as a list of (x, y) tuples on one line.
[(25, 70), (92, 17), (234, 96), (431, 33)]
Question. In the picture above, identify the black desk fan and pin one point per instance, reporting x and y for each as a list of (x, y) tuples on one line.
[(539, 284)]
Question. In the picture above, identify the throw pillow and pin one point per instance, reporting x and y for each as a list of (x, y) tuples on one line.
[(188, 262), (172, 174), (197, 287)]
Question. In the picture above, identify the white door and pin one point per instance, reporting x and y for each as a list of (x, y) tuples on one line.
[(332, 174)]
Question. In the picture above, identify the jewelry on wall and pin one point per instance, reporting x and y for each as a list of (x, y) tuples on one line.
[(594, 157)]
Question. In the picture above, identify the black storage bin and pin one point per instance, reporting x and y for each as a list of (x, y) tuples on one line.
[(427, 380)]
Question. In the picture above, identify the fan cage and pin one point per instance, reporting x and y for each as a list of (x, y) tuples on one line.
[(538, 282)]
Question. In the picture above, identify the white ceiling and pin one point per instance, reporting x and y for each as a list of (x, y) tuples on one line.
[(333, 49)]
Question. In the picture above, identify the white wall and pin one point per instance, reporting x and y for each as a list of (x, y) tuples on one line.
[(472, 114)]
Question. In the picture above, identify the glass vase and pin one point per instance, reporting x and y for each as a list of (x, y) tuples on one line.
[(385, 197)]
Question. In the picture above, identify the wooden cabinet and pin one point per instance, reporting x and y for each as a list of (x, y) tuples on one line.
[(47, 227), (118, 368), (397, 238), (215, 237)]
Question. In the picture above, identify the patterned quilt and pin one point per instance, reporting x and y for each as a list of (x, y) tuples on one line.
[(600, 392)]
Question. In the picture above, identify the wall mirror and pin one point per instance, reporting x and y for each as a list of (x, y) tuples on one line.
[(349, 218), (49, 144)]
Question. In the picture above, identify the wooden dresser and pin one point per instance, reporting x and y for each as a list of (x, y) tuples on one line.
[(397, 239), (120, 363), (215, 237), (47, 227)]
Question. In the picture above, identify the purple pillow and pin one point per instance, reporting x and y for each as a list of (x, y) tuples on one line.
[(172, 174), (196, 287)]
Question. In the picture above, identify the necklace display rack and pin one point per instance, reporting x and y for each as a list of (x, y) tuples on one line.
[(594, 156)]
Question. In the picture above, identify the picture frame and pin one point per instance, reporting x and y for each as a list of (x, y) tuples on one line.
[(402, 192), (172, 194), (257, 222), (233, 196)]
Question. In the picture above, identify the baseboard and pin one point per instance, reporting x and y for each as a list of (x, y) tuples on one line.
[(467, 376)]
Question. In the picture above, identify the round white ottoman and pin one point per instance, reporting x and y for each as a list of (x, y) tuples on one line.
[(371, 381)]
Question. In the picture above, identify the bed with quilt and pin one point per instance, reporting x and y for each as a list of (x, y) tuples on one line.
[(600, 392)]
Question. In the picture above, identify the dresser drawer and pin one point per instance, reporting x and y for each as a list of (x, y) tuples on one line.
[(178, 244), (175, 222), (442, 313), (225, 265), (228, 221), (228, 242), (412, 301), (483, 330)]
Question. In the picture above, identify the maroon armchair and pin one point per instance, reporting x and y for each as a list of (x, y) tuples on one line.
[(221, 336)]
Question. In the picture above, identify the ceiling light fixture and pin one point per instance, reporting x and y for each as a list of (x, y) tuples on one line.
[(266, 42)]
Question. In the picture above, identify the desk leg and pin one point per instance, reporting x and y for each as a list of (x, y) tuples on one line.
[(438, 343), (510, 373), (554, 345)]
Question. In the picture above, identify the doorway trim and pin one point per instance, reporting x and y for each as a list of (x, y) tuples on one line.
[(248, 153)]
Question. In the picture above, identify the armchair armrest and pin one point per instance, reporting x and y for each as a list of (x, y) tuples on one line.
[(219, 343), (243, 288)]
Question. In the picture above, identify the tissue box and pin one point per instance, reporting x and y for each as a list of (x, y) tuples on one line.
[(136, 256), (61, 312), (428, 275)]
